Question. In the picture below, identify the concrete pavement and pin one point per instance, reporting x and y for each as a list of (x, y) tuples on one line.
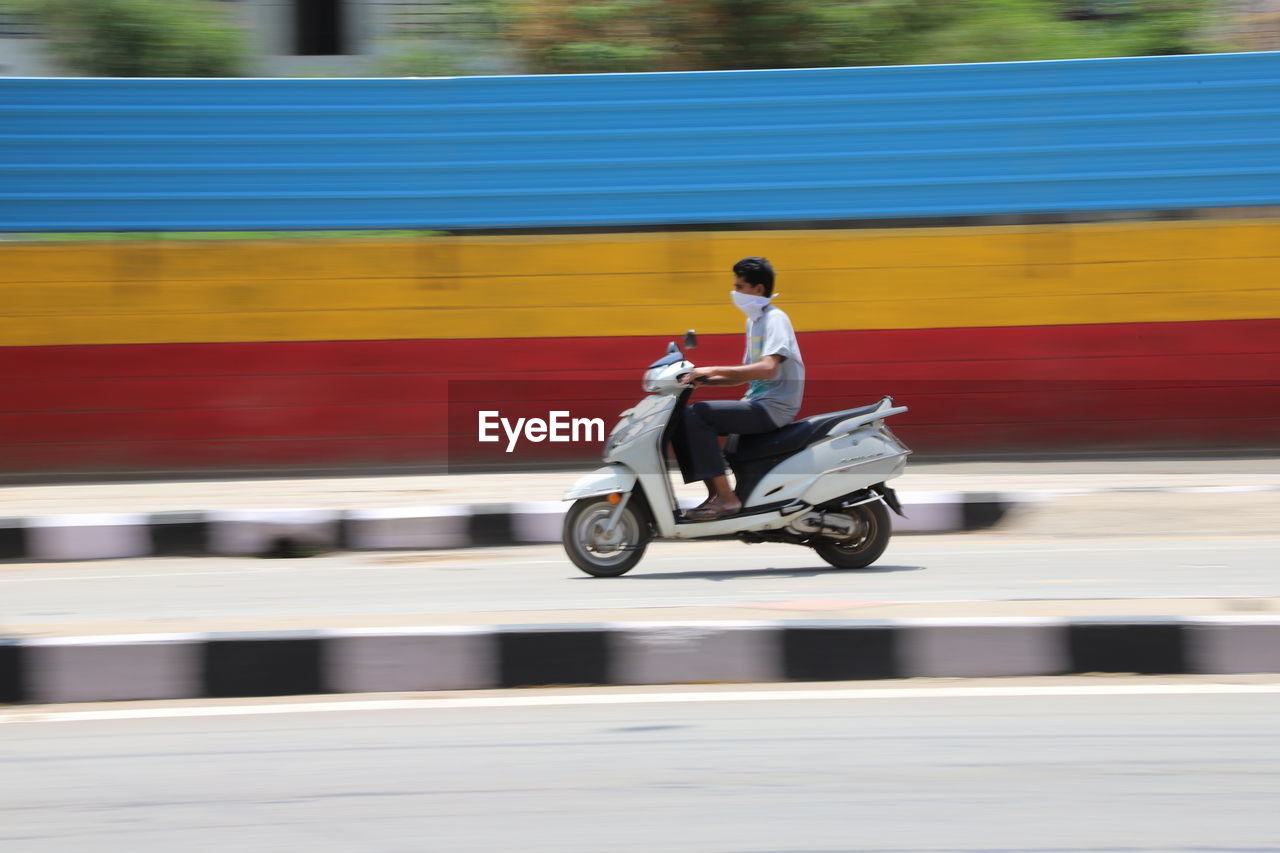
[(1166, 554), (978, 574), (304, 516), (1120, 766), (960, 605), (1053, 476)]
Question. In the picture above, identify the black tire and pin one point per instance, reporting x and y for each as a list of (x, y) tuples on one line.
[(599, 556), (866, 545)]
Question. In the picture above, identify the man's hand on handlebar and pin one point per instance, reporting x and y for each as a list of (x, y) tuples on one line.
[(699, 375)]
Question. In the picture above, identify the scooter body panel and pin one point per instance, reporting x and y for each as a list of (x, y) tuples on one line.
[(602, 481), (635, 445), (884, 461), (831, 469)]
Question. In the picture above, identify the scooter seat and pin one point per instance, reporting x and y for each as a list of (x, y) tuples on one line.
[(823, 424), (793, 437), (780, 442)]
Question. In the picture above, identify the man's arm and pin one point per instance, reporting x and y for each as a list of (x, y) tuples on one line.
[(737, 374)]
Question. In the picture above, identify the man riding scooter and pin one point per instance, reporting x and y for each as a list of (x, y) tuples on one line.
[(820, 483), (775, 370)]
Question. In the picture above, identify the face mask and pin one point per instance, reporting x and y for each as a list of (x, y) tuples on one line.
[(752, 306)]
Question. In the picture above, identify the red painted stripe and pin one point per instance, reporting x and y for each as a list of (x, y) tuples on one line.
[(936, 404), (1152, 369), (385, 402), (283, 422), (165, 393), (154, 456), (507, 356), (1140, 435)]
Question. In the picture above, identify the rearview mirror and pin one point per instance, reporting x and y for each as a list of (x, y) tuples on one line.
[(690, 339)]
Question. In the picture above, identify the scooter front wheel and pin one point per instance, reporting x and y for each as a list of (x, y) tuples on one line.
[(598, 549), (871, 536)]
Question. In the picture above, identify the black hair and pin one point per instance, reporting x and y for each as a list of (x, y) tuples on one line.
[(756, 271)]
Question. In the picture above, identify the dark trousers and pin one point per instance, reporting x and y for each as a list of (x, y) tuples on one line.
[(697, 449)]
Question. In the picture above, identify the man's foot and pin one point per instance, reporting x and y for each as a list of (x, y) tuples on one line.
[(713, 509)]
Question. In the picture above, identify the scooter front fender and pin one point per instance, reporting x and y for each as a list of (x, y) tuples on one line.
[(602, 481)]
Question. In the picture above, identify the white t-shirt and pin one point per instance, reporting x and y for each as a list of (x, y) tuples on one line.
[(771, 334)]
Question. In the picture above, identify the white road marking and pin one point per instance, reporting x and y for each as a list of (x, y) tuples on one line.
[(1163, 545), (639, 699)]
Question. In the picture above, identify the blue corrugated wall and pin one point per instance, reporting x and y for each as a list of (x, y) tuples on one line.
[(631, 149)]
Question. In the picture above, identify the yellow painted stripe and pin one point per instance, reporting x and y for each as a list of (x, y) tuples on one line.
[(635, 284), (863, 288), (637, 253), (501, 322)]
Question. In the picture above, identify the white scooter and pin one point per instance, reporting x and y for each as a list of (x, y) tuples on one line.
[(818, 482)]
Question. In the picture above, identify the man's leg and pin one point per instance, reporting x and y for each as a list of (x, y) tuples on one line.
[(704, 423)]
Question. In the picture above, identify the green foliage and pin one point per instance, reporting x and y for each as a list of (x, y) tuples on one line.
[(1009, 30), (665, 35), (560, 36), (878, 32), (601, 56), (140, 38), (195, 38)]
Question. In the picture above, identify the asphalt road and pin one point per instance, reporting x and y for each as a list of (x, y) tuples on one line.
[(721, 574), (1025, 773)]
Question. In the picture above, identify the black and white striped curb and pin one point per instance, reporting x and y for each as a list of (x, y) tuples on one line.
[(385, 660), (299, 532)]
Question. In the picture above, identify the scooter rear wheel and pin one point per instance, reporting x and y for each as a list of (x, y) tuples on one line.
[(866, 545), (601, 554)]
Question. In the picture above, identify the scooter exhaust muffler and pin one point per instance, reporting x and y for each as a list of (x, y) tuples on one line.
[(834, 524)]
